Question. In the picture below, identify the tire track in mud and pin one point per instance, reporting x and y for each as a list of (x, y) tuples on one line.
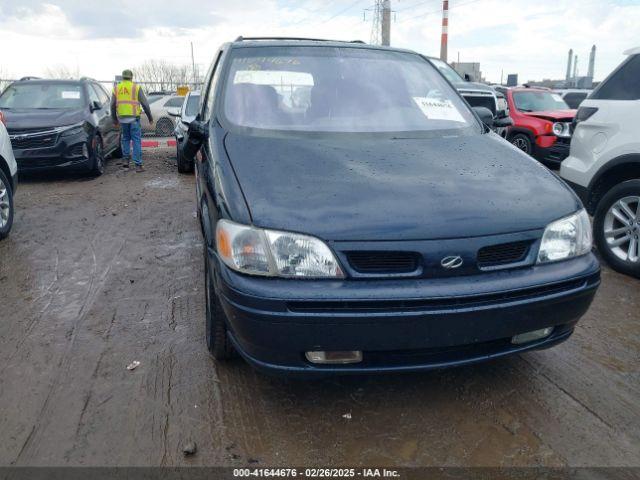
[(28, 450)]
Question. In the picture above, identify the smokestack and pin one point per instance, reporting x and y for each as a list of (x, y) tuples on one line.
[(568, 76), (386, 22), (575, 67), (445, 30), (592, 62)]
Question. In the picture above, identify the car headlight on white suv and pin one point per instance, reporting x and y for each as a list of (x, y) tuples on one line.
[(566, 238), (562, 129), (273, 253)]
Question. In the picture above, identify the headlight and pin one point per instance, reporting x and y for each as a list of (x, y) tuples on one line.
[(562, 129), (70, 130), (566, 238), (272, 253)]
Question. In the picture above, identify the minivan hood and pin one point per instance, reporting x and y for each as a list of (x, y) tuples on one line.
[(554, 115), (41, 118), (355, 187)]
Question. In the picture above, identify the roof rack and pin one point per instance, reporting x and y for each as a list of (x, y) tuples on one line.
[(241, 38)]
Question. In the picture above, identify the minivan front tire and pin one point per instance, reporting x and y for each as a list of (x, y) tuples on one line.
[(218, 341), (610, 230), (6, 205)]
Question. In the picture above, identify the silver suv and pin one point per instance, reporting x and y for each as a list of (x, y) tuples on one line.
[(8, 180)]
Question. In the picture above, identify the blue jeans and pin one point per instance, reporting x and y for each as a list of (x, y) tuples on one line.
[(132, 132)]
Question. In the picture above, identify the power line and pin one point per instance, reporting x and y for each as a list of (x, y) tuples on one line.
[(438, 11), (415, 5), (342, 11)]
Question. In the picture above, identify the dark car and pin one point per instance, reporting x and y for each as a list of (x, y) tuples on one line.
[(358, 217), (60, 124), (541, 124)]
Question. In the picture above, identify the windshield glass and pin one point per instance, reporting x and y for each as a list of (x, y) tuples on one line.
[(340, 90), (191, 110), (536, 101), (447, 71), (43, 96)]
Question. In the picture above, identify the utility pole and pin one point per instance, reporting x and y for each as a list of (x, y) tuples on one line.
[(445, 30), (386, 22), (193, 66)]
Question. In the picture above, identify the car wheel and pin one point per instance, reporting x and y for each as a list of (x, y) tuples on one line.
[(523, 142), (617, 227), (218, 341), (6, 206), (184, 165), (117, 153), (164, 127), (97, 163)]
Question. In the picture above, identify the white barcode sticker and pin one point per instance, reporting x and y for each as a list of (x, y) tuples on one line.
[(436, 109)]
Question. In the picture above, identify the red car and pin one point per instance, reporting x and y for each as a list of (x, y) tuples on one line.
[(541, 124)]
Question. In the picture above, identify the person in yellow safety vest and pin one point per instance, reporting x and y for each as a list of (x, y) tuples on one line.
[(127, 101)]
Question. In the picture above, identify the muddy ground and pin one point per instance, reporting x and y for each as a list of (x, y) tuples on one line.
[(101, 272)]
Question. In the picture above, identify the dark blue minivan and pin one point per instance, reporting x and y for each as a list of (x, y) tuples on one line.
[(359, 217)]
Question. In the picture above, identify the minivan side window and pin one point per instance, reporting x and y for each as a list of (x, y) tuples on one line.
[(623, 84)]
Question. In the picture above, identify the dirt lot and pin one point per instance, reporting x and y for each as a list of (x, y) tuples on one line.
[(100, 272)]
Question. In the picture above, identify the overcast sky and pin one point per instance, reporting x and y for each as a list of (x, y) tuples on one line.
[(100, 38)]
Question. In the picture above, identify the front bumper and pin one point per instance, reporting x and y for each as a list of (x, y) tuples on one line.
[(71, 152), (402, 325), (550, 152)]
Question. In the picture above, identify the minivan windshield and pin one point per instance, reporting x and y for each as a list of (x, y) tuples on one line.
[(43, 96), (340, 89), (447, 71), (538, 101)]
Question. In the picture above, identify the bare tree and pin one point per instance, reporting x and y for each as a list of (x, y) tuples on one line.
[(163, 76), (62, 72), (5, 79)]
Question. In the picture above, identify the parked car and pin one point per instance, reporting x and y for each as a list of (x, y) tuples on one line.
[(8, 180), (476, 94), (380, 227), (60, 124), (163, 122), (573, 97), (604, 164), (184, 116), (541, 124)]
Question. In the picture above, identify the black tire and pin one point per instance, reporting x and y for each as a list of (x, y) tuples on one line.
[(6, 205), (97, 157), (117, 153), (630, 188), (184, 165), (218, 341), (164, 127), (522, 142)]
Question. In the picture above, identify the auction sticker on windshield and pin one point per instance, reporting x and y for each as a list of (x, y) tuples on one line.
[(436, 109), (75, 95)]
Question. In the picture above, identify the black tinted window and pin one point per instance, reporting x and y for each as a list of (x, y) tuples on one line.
[(624, 84), (574, 99)]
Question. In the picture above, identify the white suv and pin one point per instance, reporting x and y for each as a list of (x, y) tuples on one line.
[(8, 180), (604, 164)]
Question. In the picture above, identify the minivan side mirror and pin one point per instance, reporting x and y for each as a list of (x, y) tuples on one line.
[(95, 105), (467, 77), (503, 122), (197, 133), (486, 115)]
